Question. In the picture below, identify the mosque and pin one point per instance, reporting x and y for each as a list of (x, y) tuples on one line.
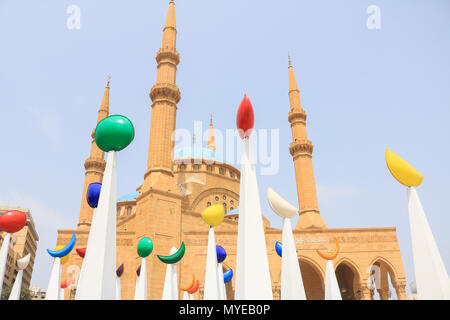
[(167, 207)]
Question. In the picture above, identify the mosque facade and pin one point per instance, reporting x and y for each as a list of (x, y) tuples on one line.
[(178, 185)]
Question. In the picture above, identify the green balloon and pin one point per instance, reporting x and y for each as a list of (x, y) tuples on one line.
[(145, 247), (114, 133)]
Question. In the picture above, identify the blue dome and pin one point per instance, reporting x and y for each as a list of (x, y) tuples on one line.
[(234, 211), (193, 152), (129, 197)]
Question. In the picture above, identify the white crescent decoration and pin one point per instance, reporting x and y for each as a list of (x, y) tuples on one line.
[(280, 206), (23, 262)]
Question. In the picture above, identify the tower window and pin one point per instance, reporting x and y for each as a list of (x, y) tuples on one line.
[(128, 211), (217, 198), (208, 204), (209, 168), (231, 201), (225, 207), (196, 166), (221, 170), (224, 197), (231, 174), (183, 167)]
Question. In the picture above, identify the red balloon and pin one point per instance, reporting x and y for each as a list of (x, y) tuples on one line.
[(13, 221), (245, 118), (81, 252)]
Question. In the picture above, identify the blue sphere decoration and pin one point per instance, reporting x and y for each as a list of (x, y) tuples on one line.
[(228, 275), (221, 254), (279, 248), (93, 194)]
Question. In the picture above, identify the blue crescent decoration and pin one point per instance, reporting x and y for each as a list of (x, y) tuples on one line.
[(228, 275), (279, 248), (64, 251)]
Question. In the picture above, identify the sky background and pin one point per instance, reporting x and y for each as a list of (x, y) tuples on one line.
[(363, 91)]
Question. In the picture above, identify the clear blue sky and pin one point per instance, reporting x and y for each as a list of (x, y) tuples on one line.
[(363, 90)]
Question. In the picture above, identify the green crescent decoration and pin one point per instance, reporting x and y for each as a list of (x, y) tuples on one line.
[(174, 258)]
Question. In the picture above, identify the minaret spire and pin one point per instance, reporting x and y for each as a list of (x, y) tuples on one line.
[(301, 150), (94, 164), (211, 139)]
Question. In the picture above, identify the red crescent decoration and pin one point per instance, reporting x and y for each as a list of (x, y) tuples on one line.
[(81, 252), (194, 288), (332, 255), (13, 221), (188, 287), (245, 118)]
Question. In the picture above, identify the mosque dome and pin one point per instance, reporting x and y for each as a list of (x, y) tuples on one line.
[(129, 197), (194, 152)]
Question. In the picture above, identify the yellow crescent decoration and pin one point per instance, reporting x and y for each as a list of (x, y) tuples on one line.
[(330, 256), (188, 287), (402, 171)]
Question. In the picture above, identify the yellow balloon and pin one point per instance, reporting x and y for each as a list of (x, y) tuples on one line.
[(405, 173), (213, 215), (65, 258)]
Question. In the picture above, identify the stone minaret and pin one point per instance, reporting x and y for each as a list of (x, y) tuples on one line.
[(211, 139), (95, 166), (158, 206), (301, 150)]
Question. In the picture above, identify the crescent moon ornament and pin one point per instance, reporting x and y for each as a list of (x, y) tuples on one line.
[(173, 258), (228, 275), (279, 248), (402, 171), (279, 205), (190, 285), (194, 287), (65, 250), (23, 262), (332, 255)]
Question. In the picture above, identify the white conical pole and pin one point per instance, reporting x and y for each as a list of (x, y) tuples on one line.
[(291, 277), (15, 291), (191, 296), (136, 288), (141, 285), (98, 272), (170, 291), (118, 289), (252, 265), (54, 284), (332, 291), (3, 257), (185, 295), (431, 276), (61, 294), (211, 291), (221, 283)]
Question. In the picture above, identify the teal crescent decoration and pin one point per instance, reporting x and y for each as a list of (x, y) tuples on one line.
[(64, 251), (114, 133), (173, 258)]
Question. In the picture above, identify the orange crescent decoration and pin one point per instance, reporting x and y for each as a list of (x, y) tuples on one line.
[(188, 287), (194, 287), (332, 255)]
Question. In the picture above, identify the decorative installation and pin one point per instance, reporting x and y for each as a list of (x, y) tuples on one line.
[(22, 264), (279, 248), (93, 194), (291, 278), (228, 275), (61, 255), (221, 255), (138, 272), (65, 284), (144, 249), (170, 291), (252, 265), (193, 290), (10, 222), (432, 280), (98, 272), (332, 291), (185, 289), (119, 273), (212, 215)]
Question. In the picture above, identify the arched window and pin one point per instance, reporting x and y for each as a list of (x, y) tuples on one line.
[(221, 170), (225, 207), (128, 211), (209, 168), (208, 204)]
